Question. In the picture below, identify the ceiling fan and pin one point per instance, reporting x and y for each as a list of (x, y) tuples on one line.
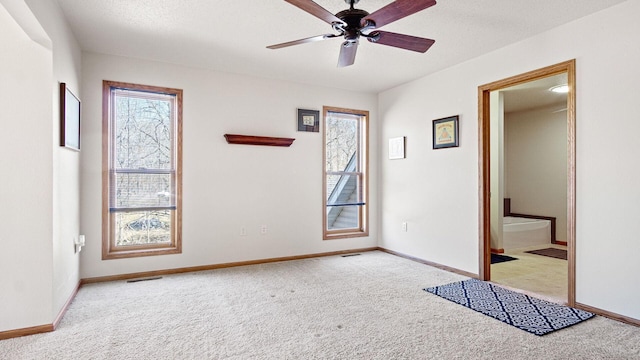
[(354, 23)]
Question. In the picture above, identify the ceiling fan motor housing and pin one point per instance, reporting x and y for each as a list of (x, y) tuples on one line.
[(352, 17)]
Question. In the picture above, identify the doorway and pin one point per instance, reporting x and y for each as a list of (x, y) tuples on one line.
[(486, 106)]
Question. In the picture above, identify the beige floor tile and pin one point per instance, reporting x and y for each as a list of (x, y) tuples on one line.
[(538, 275)]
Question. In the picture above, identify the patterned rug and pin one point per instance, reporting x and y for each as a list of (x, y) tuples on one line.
[(497, 258), (550, 252), (536, 316)]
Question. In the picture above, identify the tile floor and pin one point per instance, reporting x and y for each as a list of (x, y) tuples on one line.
[(540, 276)]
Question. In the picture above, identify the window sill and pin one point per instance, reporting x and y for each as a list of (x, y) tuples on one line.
[(133, 253), (345, 235)]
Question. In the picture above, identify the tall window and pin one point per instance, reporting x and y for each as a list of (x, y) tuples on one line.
[(345, 173), (142, 140)]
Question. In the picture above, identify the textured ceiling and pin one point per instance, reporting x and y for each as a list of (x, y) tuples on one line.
[(232, 35)]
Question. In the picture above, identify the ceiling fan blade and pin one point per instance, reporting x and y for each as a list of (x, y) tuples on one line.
[(315, 10), (396, 11), (402, 41), (347, 53), (302, 41)]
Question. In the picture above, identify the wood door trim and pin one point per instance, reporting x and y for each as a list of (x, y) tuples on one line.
[(484, 165)]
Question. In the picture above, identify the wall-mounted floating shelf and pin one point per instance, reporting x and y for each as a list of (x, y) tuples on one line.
[(258, 140)]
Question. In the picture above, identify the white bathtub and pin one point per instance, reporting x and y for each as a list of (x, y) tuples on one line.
[(522, 233)]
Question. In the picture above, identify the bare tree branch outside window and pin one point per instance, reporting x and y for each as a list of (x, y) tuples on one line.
[(143, 167)]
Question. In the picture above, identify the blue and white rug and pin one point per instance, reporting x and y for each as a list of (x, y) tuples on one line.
[(536, 316)]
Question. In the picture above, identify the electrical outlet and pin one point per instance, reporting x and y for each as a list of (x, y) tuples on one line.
[(404, 226), (243, 231), (263, 229)]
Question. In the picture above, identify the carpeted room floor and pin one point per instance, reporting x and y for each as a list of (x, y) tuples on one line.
[(370, 306)]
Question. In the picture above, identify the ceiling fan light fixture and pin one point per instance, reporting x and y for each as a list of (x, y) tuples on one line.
[(560, 89)]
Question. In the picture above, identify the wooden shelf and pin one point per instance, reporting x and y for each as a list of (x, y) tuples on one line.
[(258, 140)]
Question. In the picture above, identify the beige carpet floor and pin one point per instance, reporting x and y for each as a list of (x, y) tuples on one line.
[(370, 306)]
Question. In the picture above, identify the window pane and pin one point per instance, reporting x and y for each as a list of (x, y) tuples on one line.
[(344, 189), (142, 132), (143, 227), (343, 217), (341, 142), (344, 198), (142, 190)]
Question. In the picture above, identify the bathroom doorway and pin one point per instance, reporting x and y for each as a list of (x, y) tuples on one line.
[(499, 152)]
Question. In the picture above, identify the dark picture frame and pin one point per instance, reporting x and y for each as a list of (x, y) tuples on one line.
[(445, 132), (69, 119), (308, 120)]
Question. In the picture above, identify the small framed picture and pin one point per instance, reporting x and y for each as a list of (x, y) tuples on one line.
[(445, 132), (308, 120), (396, 148), (69, 119)]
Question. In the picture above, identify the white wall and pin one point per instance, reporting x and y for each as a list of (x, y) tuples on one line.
[(536, 164), (226, 186), (497, 191), (26, 185), (66, 163), (437, 190)]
